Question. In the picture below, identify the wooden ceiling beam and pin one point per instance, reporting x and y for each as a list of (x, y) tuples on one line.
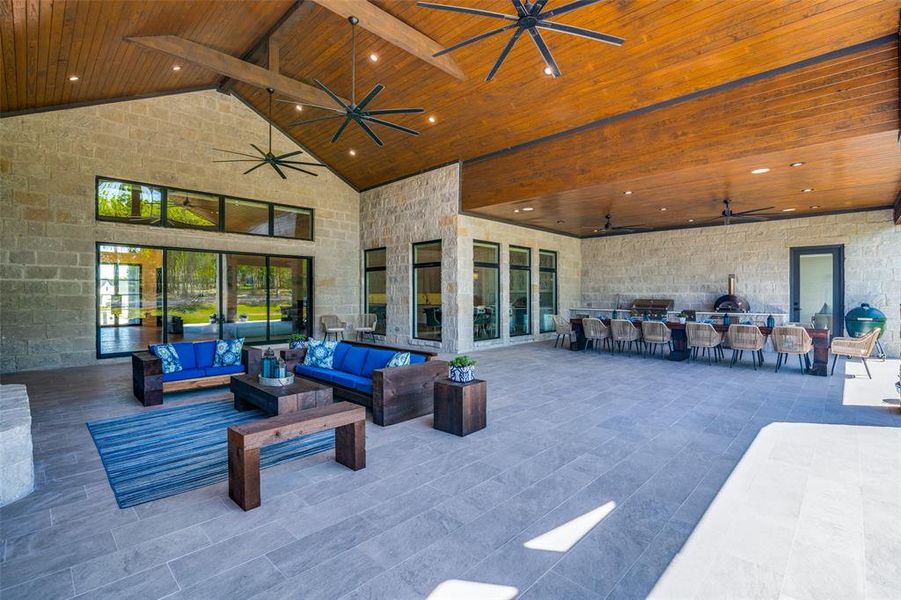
[(393, 30), (232, 67)]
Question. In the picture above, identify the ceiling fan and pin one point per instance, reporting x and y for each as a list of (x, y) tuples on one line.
[(356, 112), (530, 17), (268, 158), (728, 215), (609, 227)]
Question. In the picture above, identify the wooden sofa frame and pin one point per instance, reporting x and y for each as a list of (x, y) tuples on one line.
[(148, 385), (398, 394)]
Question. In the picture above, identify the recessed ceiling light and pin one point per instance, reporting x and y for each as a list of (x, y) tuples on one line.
[(596, 230), (789, 209), (559, 222), (374, 57), (663, 209), (548, 71), (528, 209), (796, 164), (627, 193), (814, 206), (516, 210), (807, 190), (691, 220), (73, 77), (176, 67), (298, 107), (352, 152), (760, 171), (431, 119)]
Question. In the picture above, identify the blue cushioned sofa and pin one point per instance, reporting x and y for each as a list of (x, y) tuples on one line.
[(149, 382), (358, 374)]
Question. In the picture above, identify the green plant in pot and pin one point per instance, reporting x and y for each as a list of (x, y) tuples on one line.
[(462, 369), (683, 316), (297, 341)]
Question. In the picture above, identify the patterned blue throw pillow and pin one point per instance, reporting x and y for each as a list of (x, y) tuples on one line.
[(400, 359), (320, 354), (228, 352), (168, 357)]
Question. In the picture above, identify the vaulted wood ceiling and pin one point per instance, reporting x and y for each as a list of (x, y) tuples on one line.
[(837, 114)]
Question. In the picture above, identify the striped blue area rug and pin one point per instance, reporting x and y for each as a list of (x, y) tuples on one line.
[(167, 452)]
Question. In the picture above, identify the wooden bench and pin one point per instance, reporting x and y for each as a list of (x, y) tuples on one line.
[(245, 441)]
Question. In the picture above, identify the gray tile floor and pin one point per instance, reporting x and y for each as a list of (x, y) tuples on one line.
[(597, 477)]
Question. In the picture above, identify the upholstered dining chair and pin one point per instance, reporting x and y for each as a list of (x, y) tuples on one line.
[(595, 332), (625, 332), (332, 325), (562, 328), (366, 326), (850, 347), (656, 334), (746, 337), (704, 338), (791, 339)]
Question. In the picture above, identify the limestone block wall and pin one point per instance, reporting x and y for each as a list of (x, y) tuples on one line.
[(569, 271), (421, 208), (692, 265), (48, 231)]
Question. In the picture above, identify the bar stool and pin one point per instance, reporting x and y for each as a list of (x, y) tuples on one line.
[(746, 337), (791, 339), (655, 334), (624, 332), (703, 337), (596, 331)]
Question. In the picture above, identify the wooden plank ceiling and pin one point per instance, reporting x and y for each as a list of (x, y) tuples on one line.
[(672, 49)]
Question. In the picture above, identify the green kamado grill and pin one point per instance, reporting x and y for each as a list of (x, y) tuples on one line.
[(862, 320)]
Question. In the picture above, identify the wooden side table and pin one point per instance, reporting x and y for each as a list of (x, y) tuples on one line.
[(460, 408)]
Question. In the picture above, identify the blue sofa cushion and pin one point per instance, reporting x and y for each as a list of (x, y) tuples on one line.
[(210, 371), (183, 374), (228, 352), (415, 359), (185, 351), (168, 357), (342, 378), (204, 353), (376, 359), (340, 352), (355, 360)]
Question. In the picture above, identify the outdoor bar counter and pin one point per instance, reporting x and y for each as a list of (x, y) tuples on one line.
[(680, 351)]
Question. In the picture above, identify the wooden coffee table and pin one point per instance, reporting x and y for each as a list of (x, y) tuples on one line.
[(300, 395)]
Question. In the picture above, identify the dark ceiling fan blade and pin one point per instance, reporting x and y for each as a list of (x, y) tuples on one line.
[(753, 210), (238, 153), (257, 148), (545, 52), (519, 8), (279, 171), (466, 10), (262, 162), (331, 94), (297, 162), (340, 129), (375, 91), (238, 160), (287, 166), (477, 38), (393, 111), (585, 33), (289, 154), (504, 53), (370, 133), (316, 120), (568, 7), (537, 7), (391, 125)]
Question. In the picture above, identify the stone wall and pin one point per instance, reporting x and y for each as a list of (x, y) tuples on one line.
[(692, 265), (48, 165)]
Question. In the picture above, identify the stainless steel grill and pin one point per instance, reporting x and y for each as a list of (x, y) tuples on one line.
[(655, 308)]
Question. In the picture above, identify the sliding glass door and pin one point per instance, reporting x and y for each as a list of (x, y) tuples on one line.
[(153, 295)]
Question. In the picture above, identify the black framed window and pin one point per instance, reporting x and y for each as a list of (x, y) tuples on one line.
[(375, 286), (146, 204), (485, 291), (427, 290), (520, 291), (547, 289), (149, 295)]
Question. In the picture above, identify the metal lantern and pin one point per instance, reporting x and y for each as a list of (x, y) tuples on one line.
[(269, 364)]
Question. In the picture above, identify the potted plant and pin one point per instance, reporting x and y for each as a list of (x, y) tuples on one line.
[(214, 319), (242, 318), (297, 341), (462, 369), (683, 316)]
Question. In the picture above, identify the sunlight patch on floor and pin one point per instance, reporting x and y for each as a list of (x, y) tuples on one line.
[(863, 391), (564, 537), (460, 589)]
